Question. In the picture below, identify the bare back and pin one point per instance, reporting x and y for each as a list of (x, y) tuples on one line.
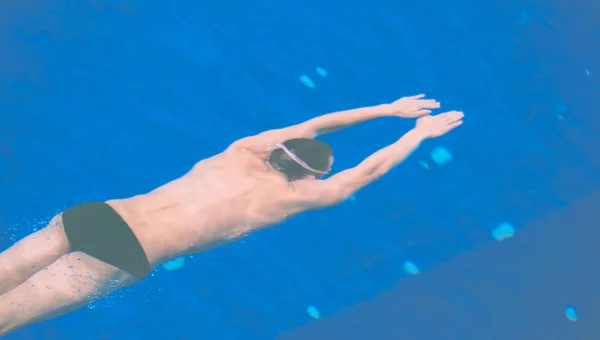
[(221, 199)]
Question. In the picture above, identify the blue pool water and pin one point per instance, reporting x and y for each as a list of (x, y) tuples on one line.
[(104, 99)]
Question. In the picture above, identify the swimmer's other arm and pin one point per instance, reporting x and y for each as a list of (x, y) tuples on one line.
[(406, 107), (314, 127), (336, 121), (342, 185)]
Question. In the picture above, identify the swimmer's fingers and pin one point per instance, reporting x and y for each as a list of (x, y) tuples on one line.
[(451, 116), (451, 120), (429, 104), (424, 108), (447, 128), (454, 125), (414, 106), (455, 115)]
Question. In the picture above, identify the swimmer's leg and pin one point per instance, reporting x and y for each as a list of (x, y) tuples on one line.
[(31, 254), (71, 282)]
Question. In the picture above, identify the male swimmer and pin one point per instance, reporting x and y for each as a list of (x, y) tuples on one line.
[(93, 249)]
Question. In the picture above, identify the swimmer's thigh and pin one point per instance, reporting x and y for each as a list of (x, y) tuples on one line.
[(31, 254), (71, 282)]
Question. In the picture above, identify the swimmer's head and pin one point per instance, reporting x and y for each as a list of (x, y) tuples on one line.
[(301, 158)]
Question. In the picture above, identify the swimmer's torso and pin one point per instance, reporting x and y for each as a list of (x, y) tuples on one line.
[(222, 198)]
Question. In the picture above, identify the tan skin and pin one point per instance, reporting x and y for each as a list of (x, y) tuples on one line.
[(220, 200)]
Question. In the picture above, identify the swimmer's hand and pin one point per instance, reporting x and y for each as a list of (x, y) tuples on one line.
[(412, 107), (435, 126)]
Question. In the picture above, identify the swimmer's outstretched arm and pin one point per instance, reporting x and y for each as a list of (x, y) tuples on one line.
[(376, 165), (407, 107), (342, 185)]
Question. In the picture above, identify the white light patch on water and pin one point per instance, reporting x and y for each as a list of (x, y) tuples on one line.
[(322, 72), (411, 268), (313, 312), (441, 155), (307, 81), (503, 231), (571, 313), (174, 264)]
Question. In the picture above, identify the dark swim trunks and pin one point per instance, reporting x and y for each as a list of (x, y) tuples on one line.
[(97, 230)]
